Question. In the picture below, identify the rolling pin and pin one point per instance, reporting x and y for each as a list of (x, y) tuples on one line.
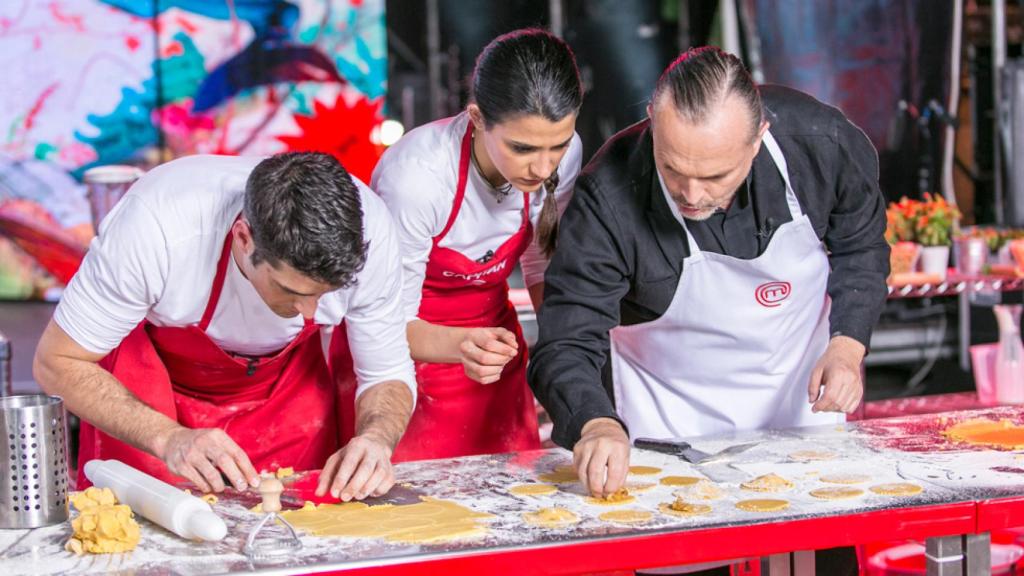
[(157, 501)]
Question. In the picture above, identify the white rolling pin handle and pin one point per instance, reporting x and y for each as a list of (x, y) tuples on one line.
[(157, 501)]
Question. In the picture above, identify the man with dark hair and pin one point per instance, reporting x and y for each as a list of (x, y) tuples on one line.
[(189, 341), (720, 267)]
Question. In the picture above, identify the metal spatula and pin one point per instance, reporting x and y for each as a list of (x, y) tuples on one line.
[(686, 451)]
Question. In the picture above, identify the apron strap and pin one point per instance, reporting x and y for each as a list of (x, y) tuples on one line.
[(218, 281), (780, 162), (460, 189)]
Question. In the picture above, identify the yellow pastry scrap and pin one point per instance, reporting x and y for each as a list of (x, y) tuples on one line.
[(532, 489), (679, 480), (285, 472), (765, 505), (626, 516), (836, 493), (897, 489), (102, 526), (620, 496), (681, 507), (644, 470), (551, 518), (257, 508), (767, 483), (845, 478), (210, 499), (307, 506), (1002, 434)]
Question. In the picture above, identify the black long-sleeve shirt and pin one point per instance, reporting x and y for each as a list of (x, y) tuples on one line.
[(620, 249)]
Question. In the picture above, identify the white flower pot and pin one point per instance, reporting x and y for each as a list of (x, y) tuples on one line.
[(934, 260)]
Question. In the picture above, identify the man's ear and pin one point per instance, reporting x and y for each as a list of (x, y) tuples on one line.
[(243, 236)]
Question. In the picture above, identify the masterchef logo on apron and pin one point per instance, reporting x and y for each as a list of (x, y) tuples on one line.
[(771, 294), (477, 277)]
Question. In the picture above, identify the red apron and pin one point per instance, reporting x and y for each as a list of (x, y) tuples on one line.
[(280, 408), (456, 416)]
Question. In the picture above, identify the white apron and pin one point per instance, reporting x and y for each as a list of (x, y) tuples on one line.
[(736, 347)]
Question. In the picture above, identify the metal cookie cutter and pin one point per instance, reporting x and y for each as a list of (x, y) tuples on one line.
[(271, 545)]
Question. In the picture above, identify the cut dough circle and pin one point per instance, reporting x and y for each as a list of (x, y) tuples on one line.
[(897, 489), (637, 487), (559, 477), (679, 480), (767, 483), (684, 509), (644, 470), (626, 516), (836, 492), (811, 455), (553, 517), (703, 490), (845, 478), (532, 489), (762, 505)]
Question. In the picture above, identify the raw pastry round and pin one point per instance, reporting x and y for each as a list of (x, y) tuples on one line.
[(811, 455), (766, 505), (845, 478), (644, 470), (532, 489), (767, 483), (637, 487), (626, 516), (554, 517), (679, 480), (836, 492), (684, 509), (703, 490), (897, 489), (559, 477), (565, 469)]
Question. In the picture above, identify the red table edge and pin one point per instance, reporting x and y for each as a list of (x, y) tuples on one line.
[(677, 548), (1000, 513)]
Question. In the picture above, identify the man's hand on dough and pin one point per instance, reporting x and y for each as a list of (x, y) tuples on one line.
[(362, 468)]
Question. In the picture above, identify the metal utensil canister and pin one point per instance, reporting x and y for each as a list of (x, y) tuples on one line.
[(106, 185), (971, 255), (6, 380), (33, 461)]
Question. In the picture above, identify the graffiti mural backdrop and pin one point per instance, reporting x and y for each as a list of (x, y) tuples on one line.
[(94, 82)]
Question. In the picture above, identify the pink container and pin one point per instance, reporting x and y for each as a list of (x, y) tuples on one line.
[(983, 362)]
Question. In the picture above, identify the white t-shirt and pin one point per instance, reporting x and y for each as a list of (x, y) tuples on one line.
[(417, 178), (156, 256)]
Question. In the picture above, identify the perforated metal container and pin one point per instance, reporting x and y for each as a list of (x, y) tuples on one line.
[(33, 461)]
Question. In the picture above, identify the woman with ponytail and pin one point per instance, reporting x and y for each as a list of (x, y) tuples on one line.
[(471, 196)]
